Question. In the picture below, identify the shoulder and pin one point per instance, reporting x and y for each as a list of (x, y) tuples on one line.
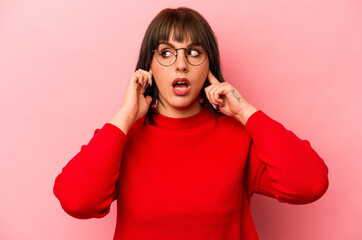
[(229, 122), (137, 126), (229, 126)]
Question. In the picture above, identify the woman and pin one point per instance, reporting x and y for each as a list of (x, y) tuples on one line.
[(185, 152)]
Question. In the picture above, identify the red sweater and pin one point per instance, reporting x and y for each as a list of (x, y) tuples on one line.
[(189, 178)]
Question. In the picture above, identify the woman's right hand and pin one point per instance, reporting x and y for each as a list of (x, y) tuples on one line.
[(135, 105)]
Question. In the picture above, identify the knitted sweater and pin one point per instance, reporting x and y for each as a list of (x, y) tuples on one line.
[(189, 178)]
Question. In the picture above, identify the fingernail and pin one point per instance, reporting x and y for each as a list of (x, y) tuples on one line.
[(151, 82), (220, 104), (214, 106), (144, 84)]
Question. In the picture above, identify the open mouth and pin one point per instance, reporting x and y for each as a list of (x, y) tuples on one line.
[(181, 86), (180, 83)]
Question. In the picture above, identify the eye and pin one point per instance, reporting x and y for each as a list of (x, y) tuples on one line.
[(193, 52), (166, 53)]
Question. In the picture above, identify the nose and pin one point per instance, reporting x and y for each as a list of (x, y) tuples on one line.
[(181, 63)]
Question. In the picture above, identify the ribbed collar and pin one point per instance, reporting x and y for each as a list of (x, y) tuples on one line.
[(183, 123)]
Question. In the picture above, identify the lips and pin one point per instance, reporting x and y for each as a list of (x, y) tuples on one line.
[(181, 86)]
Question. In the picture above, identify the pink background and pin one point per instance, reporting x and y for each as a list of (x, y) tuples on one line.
[(64, 67)]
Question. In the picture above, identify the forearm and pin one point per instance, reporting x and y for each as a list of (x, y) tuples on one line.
[(293, 168), (87, 184)]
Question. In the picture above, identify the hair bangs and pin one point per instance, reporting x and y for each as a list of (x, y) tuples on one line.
[(183, 26)]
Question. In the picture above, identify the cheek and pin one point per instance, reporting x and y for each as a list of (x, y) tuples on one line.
[(158, 73), (205, 68), (204, 71), (155, 67)]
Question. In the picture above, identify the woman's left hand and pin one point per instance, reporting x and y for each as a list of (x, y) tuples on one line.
[(228, 99)]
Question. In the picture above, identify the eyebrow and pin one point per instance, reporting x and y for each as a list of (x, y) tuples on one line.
[(170, 44)]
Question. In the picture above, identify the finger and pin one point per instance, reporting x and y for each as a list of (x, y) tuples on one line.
[(139, 78), (147, 74), (139, 74), (147, 80), (136, 78), (218, 92), (144, 86), (144, 77), (212, 95), (151, 76), (208, 91), (212, 78)]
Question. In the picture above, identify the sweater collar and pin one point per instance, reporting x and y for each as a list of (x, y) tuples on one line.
[(183, 123)]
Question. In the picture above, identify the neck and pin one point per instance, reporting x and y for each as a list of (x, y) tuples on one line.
[(173, 112)]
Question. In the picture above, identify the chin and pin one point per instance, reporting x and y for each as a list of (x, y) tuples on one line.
[(183, 103)]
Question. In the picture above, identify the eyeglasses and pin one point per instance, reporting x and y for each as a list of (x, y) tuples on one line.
[(167, 55)]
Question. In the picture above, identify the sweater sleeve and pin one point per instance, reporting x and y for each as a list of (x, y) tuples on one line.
[(86, 187), (281, 165)]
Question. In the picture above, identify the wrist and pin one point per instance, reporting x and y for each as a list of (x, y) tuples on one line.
[(123, 120), (245, 113)]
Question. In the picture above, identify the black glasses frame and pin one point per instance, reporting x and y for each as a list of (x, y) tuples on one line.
[(156, 51)]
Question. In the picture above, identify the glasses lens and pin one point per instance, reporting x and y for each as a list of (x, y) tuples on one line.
[(166, 55), (195, 55)]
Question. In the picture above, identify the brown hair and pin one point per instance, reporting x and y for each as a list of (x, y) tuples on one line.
[(187, 23)]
